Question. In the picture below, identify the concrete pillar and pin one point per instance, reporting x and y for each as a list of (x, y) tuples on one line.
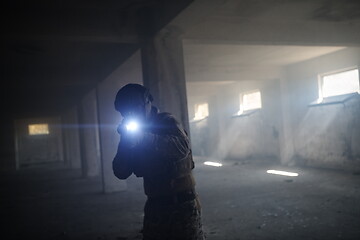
[(89, 135), (286, 137), (163, 72), (128, 72), (71, 140)]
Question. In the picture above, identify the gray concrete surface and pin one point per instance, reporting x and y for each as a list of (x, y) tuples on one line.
[(89, 135), (71, 139), (164, 74), (326, 135), (109, 118), (286, 126), (240, 201)]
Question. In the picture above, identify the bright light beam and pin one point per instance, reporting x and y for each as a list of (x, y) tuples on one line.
[(290, 174), (214, 164), (132, 126)]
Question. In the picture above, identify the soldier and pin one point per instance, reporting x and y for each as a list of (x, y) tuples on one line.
[(155, 147)]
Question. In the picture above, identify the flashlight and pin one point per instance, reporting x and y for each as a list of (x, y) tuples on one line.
[(132, 126)]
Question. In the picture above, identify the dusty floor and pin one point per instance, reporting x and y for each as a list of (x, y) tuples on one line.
[(240, 201)]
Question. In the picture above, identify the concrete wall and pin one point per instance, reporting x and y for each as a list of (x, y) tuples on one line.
[(71, 141), (223, 136), (286, 128), (128, 72), (89, 135), (204, 134), (7, 144), (256, 135), (37, 149), (324, 136), (163, 72)]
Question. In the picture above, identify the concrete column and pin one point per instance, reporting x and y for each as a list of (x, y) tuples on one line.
[(163, 72), (89, 135), (71, 140), (286, 138), (109, 118)]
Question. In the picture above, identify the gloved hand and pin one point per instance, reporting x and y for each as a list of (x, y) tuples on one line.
[(130, 139)]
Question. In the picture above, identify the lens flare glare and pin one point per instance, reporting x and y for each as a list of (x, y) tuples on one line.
[(132, 126)]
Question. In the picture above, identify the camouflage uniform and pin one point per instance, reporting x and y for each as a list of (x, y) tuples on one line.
[(163, 158), (175, 222)]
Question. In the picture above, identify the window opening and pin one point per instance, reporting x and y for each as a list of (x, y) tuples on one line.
[(201, 111), (339, 83), (250, 101), (38, 129)]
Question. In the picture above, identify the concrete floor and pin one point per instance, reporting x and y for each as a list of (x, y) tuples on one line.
[(240, 201)]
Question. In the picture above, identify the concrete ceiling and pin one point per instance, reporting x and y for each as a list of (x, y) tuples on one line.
[(273, 22), (220, 54), (216, 62), (241, 40), (53, 52)]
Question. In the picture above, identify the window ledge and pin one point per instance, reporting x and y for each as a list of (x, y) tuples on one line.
[(341, 99), (198, 120), (245, 113)]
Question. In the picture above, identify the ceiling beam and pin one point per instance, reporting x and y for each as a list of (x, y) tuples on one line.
[(276, 22), (124, 38), (268, 32)]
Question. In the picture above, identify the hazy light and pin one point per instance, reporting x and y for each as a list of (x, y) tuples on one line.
[(240, 112), (320, 99), (251, 100), (201, 111), (132, 126), (38, 129), (290, 174), (214, 164), (340, 83)]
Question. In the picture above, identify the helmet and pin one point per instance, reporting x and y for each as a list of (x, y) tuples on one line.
[(131, 96)]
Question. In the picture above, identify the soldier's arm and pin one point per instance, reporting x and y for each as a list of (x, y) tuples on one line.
[(173, 143), (122, 162)]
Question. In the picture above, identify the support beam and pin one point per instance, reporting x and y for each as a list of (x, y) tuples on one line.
[(71, 142), (163, 72), (128, 72), (286, 138), (114, 38), (89, 135), (308, 23), (275, 32)]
